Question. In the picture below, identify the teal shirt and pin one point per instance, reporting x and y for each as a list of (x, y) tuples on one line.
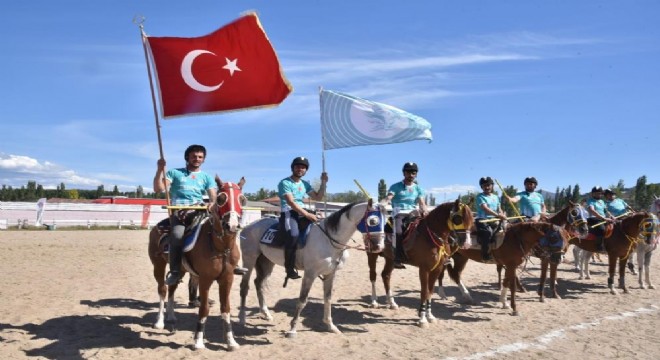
[(299, 190), (493, 202), (599, 206), (531, 203), (617, 207), (188, 188), (405, 197)]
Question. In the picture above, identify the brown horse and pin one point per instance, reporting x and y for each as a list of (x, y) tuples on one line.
[(573, 219), (213, 257), (429, 243), (518, 242), (619, 245)]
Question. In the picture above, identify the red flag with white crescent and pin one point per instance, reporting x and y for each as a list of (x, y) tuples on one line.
[(232, 68)]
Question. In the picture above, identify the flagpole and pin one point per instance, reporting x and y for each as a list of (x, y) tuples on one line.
[(139, 21), (325, 196)]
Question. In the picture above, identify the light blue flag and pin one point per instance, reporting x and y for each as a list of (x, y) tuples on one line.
[(350, 121)]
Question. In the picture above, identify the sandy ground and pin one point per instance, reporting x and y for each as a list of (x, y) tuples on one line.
[(91, 295)]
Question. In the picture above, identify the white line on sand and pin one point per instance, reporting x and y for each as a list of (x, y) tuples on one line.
[(542, 341)]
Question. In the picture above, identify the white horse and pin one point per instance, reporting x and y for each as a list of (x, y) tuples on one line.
[(323, 254), (648, 241)]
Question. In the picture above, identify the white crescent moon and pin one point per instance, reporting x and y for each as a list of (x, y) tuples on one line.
[(189, 78)]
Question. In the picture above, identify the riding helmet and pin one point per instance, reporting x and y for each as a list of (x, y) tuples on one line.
[(608, 191), (410, 166), (596, 189), (485, 180), (531, 179), (192, 149), (300, 160)]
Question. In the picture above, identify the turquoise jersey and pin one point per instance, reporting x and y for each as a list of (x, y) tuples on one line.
[(188, 188), (599, 206), (617, 207), (493, 202), (531, 203), (299, 190), (405, 197)]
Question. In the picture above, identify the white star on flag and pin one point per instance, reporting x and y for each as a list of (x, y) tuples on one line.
[(231, 66)]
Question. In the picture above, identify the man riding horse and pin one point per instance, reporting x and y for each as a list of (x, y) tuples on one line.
[(598, 216), (488, 211), (532, 204)]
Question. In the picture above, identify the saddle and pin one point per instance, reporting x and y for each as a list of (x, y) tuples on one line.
[(276, 237), (495, 241), (609, 228), (193, 219)]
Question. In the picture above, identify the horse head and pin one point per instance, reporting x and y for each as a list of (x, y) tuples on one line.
[(229, 204), (372, 227), (576, 219), (648, 228), (452, 221)]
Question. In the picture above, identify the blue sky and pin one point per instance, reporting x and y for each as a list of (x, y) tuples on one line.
[(566, 91)]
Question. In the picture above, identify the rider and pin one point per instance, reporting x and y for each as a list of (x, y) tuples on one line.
[(405, 196), (617, 207), (292, 190), (598, 214), (532, 204), (488, 208), (186, 186)]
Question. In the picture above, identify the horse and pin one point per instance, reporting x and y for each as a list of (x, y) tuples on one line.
[(429, 242), (517, 243), (323, 253), (573, 219), (619, 245), (212, 256), (646, 244)]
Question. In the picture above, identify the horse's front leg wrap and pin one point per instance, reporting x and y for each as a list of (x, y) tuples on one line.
[(199, 333)]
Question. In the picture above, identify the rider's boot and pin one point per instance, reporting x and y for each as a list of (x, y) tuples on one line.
[(174, 276), (239, 270), (398, 252), (290, 263), (600, 244), (485, 253)]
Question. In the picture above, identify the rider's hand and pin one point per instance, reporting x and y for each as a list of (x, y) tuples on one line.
[(501, 216)]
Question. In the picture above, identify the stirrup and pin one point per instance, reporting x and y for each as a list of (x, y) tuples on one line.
[(293, 275), (398, 264)]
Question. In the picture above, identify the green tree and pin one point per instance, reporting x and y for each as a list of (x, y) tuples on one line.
[(642, 198), (139, 191), (100, 191), (382, 190), (575, 196)]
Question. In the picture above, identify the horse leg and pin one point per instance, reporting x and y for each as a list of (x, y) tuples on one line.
[(204, 286), (577, 258), (193, 300), (584, 261), (612, 260), (506, 284), (511, 275), (544, 274), (386, 275), (631, 265), (372, 260), (499, 276), (328, 284), (430, 284), (306, 285), (553, 281), (647, 265), (623, 262), (424, 296), (455, 271), (263, 268), (159, 275), (224, 284), (170, 317)]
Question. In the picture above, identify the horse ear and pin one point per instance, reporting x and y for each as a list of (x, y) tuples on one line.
[(456, 203), (218, 181), (241, 182), (571, 203), (370, 203)]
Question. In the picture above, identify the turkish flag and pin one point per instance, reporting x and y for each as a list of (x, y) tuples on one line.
[(233, 68)]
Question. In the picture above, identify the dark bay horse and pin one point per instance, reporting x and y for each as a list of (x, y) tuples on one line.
[(572, 218), (429, 242), (322, 255), (518, 242), (212, 258), (619, 246)]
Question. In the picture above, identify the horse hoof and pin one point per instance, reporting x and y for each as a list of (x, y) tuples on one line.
[(432, 320), (333, 329), (515, 313), (199, 346), (423, 325), (651, 287), (233, 347), (394, 307), (542, 300), (373, 304), (291, 334), (159, 325)]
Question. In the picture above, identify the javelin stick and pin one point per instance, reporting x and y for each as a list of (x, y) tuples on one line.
[(498, 219), (362, 189), (184, 207), (515, 208), (603, 222)]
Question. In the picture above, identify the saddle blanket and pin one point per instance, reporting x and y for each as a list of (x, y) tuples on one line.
[(272, 237)]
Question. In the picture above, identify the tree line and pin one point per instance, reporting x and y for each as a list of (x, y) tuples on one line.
[(639, 197)]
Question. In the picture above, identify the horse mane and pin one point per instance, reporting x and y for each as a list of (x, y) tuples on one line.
[(332, 221), (524, 226), (560, 217)]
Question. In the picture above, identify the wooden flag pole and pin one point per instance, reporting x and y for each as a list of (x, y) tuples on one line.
[(139, 21), (515, 208)]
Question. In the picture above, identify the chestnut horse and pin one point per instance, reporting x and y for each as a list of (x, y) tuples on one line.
[(573, 219), (619, 246), (429, 242), (518, 242), (213, 257), (322, 255)]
